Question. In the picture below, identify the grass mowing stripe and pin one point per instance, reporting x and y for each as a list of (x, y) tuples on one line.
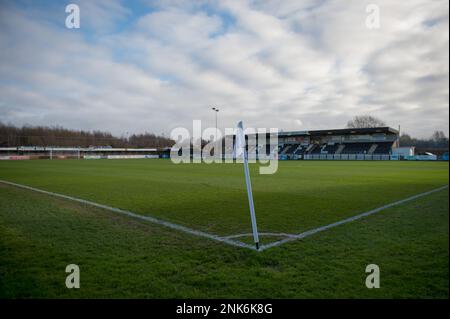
[(228, 239), (350, 219), (212, 197), (134, 215)]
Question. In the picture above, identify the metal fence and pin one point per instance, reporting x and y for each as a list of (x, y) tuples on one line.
[(348, 157)]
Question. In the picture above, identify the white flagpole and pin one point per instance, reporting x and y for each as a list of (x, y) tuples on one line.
[(241, 147)]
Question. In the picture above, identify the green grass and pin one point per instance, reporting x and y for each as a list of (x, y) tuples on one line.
[(121, 257)]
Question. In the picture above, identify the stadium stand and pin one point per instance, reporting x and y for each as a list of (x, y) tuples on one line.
[(367, 143)]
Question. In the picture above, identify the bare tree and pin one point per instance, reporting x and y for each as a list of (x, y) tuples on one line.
[(437, 140), (11, 135), (364, 121), (439, 137)]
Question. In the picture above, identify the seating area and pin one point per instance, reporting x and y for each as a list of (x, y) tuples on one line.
[(346, 148), (383, 148), (301, 150), (287, 149), (284, 149), (296, 150), (357, 148), (330, 148), (316, 149)]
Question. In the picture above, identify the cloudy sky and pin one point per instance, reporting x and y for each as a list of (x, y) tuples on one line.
[(141, 65)]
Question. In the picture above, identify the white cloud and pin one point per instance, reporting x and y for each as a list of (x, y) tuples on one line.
[(287, 64)]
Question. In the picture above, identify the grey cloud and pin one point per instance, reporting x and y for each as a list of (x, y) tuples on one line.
[(293, 65)]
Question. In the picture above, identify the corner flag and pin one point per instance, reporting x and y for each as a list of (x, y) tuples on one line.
[(240, 147)]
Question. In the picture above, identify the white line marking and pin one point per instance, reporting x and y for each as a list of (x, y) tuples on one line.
[(262, 234), (228, 239), (350, 219), (142, 217)]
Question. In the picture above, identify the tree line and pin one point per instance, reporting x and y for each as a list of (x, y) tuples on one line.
[(11, 136), (437, 141)]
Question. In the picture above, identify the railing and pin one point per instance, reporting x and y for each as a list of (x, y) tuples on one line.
[(348, 157)]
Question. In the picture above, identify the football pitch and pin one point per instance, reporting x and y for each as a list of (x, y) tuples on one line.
[(195, 239)]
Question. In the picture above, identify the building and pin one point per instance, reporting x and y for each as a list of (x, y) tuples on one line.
[(340, 144), (40, 152), (404, 151)]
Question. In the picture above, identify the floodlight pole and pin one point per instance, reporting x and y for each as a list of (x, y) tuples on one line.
[(216, 110)]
